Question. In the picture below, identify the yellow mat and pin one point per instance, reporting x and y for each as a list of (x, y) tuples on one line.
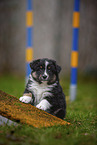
[(13, 109)]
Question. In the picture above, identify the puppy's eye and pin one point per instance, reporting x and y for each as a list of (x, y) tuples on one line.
[(49, 67), (41, 66)]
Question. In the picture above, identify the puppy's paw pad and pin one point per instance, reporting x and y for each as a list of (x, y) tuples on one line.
[(25, 99)]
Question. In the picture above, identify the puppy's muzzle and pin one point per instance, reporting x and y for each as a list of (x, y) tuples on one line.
[(44, 77)]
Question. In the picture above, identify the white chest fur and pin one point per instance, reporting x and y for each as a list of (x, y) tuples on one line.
[(40, 90)]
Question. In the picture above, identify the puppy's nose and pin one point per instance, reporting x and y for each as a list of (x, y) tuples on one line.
[(44, 76)]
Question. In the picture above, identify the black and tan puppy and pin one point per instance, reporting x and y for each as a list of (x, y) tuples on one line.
[(43, 89)]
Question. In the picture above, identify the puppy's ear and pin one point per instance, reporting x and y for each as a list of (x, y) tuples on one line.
[(31, 65), (58, 68), (34, 63)]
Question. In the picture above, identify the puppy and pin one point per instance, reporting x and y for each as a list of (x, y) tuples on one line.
[(43, 89)]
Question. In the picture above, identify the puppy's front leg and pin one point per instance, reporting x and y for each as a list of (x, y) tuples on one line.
[(26, 98), (44, 105)]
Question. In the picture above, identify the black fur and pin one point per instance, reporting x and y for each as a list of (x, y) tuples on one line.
[(57, 97)]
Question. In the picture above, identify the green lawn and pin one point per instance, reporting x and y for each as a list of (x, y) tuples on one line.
[(82, 114)]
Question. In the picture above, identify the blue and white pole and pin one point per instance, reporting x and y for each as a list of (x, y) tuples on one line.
[(74, 53), (29, 47)]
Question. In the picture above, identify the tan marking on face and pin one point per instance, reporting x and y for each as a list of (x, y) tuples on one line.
[(54, 78), (34, 75), (27, 94)]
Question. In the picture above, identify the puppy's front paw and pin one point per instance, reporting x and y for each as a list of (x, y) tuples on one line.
[(43, 105), (40, 106), (25, 99)]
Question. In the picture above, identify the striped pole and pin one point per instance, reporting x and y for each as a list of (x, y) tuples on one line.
[(74, 53), (29, 47)]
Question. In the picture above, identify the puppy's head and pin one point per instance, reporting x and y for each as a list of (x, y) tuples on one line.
[(45, 70)]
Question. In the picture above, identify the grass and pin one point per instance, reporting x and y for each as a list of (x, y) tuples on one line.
[(82, 114)]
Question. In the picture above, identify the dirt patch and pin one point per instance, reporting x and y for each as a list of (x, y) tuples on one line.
[(15, 110)]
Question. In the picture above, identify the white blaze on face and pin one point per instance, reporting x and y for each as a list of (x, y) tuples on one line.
[(45, 72)]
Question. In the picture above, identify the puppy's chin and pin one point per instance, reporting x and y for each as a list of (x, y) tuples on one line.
[(49, 80)]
